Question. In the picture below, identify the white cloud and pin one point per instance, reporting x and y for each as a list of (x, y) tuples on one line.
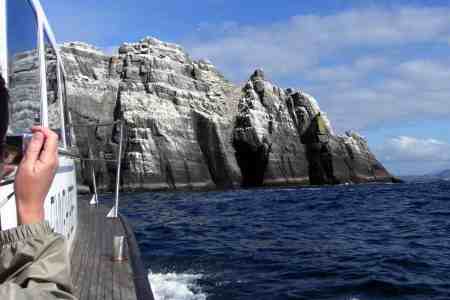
[(365, 66), (406, 155), (426, 72), (301, 40), (405, 148)]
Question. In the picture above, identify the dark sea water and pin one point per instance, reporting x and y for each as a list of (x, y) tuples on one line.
[(346, 242)]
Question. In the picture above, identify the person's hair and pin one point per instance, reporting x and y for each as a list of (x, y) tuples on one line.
[(4, 114)]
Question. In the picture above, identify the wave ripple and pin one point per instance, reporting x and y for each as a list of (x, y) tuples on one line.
[(172, 286), (348, 242)]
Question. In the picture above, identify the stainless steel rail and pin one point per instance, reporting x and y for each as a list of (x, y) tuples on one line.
[(95, 124), (115, 210)]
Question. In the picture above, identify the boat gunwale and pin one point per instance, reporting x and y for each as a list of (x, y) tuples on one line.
[(140, 274)]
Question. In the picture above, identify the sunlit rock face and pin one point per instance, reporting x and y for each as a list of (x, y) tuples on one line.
[(267, 144), (187, 127), (333, 159), (364, 166), (92, 84), (179, 113)]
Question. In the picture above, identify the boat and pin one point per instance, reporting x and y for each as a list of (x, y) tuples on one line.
[(33, 69), (34, 74)]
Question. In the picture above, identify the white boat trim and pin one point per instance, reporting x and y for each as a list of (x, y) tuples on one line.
[(61, 207), (3, 41)]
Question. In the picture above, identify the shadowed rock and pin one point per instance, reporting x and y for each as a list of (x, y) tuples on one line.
[(268, 148)]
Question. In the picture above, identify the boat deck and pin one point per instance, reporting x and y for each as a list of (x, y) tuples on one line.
[(95, 275)]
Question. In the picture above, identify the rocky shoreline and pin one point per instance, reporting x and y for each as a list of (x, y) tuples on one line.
[(187, 127)]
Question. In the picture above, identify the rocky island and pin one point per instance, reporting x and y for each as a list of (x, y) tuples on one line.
[(187, 127)]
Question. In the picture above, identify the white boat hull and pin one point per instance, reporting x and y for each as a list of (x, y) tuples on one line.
[(60, 205)]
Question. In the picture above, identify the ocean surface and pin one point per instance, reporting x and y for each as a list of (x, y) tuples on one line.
[(377, 241)]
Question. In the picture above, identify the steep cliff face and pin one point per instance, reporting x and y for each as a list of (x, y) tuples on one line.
[(268, 149), (332, 159), (188, 127), (283, 137), (92, 86), (178, 112)]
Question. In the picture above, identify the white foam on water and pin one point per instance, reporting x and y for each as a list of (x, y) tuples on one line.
[(172, 286)]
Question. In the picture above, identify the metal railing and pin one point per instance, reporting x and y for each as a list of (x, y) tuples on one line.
[(114, 213)]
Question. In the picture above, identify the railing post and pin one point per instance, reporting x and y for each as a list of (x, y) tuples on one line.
[(119, 163), (94, 200)]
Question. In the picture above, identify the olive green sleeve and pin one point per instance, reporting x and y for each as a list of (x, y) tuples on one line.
[(34, 264)]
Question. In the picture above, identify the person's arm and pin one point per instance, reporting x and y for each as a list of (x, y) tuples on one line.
[(33, 260)]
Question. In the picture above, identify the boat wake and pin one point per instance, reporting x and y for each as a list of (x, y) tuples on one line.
[(172, 286)]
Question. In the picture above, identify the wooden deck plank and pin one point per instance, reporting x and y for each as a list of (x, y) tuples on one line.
[(76, 252), (84, 218), (115, 292), (124, 271), (86, 267), (84, 271), (95, 276), (102, 268), (108, 264), (118, 266)]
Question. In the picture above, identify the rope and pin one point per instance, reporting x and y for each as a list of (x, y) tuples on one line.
[(92, 159), (76, 157), (94, 125)]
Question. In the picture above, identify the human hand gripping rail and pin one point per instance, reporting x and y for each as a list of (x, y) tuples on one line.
[(33, 259)]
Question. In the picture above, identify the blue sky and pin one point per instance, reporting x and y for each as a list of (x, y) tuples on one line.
[(379, 67)]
